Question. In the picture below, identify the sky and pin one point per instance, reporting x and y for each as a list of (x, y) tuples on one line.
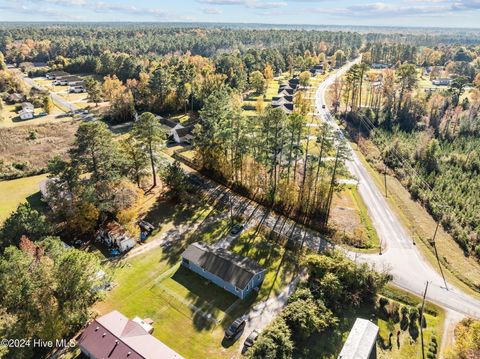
[(423, 13)]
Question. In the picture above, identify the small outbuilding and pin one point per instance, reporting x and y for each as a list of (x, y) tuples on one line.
[(27, 111), (361, 342)]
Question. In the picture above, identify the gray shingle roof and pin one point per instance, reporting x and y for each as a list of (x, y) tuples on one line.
[(230, 267)]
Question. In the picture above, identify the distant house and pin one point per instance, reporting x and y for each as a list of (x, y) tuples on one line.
[(166, 123), (380, 66), (442, 81), (286, 92), (27, 111), (69, 80), (317, 70), (114, 336), (115, 236), (294, 81), (288, 86), (278, 101), (232, 272), (15, 98), (286, 107), (361, 342), (55, 74), (287, 98), (182, 134)]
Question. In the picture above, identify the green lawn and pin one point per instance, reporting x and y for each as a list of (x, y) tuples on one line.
[(249, 104), (189, 312), (374, 240), (14, 192), (147, 286)]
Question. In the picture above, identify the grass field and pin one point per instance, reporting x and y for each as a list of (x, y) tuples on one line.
[(27, 149), (354, 227), (249, 104), (17, 191), (147, 286), (9, 117)]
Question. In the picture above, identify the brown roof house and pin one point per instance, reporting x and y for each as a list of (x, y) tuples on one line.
[(114, 336)]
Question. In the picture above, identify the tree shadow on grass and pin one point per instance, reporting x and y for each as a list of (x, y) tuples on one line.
[(208, 301), (35, 201)]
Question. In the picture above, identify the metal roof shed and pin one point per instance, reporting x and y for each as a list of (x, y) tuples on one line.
[(361, 342)]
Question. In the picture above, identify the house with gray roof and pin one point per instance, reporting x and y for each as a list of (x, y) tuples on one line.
[(232, 272), (285, 107)]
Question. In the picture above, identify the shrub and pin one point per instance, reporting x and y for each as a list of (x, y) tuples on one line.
[(404, 322), (393, 311), (382, 302)]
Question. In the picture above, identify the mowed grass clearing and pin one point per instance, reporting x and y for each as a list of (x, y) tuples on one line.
[(17, 191), (352, 223), (147, 286)]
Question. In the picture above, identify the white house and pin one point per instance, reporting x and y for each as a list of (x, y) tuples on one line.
[(27, 111), (442, 82)]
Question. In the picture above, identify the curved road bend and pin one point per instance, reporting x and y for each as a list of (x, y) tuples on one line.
[(409, 269)]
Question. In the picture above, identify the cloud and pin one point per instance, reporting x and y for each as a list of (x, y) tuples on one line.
[(211, 10), (19, 7), (252, 4)]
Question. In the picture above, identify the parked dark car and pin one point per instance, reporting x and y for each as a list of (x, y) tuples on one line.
[(251, 339), (234, 331), (236, 229), (323, 106)]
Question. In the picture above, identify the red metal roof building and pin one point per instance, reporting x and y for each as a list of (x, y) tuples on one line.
[(114, 336)]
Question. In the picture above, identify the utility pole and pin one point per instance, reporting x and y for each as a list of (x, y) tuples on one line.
[(231, 208), (385, 180), (436, 253), (421, 320)]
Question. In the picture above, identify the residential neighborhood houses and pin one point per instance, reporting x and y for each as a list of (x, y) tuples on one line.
[(212, 205)]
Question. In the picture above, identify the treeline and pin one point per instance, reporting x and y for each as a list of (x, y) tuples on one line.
[(270, 157), (32, 43)]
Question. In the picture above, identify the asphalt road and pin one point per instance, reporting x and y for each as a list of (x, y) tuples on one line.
[(400, 256), (55, 98)]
